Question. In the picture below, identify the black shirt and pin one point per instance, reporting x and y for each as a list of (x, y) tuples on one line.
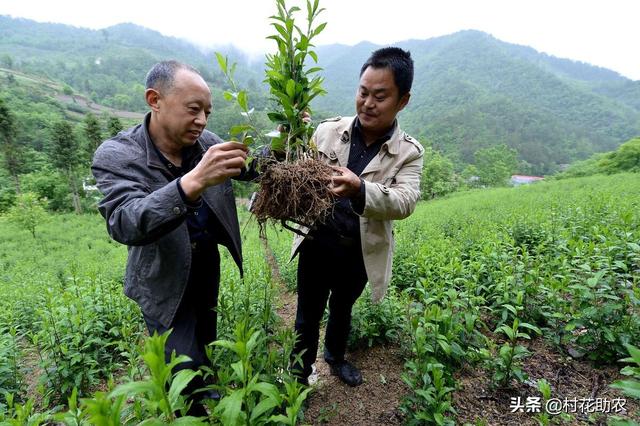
[(344, 221)]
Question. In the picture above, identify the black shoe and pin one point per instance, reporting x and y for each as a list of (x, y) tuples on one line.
[(197, 408), (346, 372), (211, 394)]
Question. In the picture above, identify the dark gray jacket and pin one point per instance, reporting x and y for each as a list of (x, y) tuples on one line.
[(143, 209)]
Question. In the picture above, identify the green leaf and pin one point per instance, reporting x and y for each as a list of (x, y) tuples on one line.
[(228, 344), (263, 406), (281, 30), (628, 387), (445, 346), (230, 407), (634, 352), (180, 381), (188, 421), (319, 29), (222, 62), (510, 308), (240, 128), (242, 100), (133, 388), (238, 368), (531, 327), (291, 88), (275, 75)]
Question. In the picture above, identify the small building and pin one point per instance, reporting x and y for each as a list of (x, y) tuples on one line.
[(517, 180)]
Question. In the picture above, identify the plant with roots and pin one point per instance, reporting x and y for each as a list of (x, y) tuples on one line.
[(293, 182)]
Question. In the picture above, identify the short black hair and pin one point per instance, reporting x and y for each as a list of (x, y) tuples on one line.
[(161, 76), (398, 61)]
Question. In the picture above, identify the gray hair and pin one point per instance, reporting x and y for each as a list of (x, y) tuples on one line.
[(162, 75)]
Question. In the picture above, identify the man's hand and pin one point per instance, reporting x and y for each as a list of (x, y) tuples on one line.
[(219, 163), (345, 183)]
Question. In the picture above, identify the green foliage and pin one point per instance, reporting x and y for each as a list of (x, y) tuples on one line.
[(630, 387), (93, 133), (66, 156), (507, 363), (561, 256), (441, 331), (472, 90), (11, 376), (292, 85), (50, 185), (373, 324), (247, 131), (114, 126), (62, 295), (25, 414), (7, 194), (438, 176), (64, 150), (158, 398), (430, 400), (12, 151), (28, 212), (67, 90), (594, 328), (82, 333), (495, 164), (248, 397), (625, 159)]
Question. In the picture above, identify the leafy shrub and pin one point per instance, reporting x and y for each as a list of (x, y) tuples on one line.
[(377, 323)]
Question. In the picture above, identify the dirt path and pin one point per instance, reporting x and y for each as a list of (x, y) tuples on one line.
[(331, 402)]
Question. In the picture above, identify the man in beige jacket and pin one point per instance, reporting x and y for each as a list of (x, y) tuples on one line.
[(378, 169)]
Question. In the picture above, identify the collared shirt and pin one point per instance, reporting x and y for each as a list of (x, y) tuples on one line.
[(344, 220)]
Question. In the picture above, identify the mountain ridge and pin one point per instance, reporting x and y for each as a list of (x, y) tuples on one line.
[(471, 90)]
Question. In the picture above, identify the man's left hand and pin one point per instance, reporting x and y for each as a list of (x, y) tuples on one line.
[(345, 183)]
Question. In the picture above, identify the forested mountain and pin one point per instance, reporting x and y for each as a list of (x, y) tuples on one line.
[(470, 90), (473, 91), (108, 65)]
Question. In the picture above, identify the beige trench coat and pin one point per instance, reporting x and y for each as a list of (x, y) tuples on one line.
[(392, 187)]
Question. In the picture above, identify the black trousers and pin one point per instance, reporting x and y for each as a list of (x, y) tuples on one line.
[(195, 323), (329, 271)]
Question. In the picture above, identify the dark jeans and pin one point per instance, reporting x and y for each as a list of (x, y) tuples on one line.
[(329, 271), (195, 323)]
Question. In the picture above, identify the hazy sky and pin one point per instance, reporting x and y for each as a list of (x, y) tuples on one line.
[(601, 32)]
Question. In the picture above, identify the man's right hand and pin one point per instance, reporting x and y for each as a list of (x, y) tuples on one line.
[(220, 162)]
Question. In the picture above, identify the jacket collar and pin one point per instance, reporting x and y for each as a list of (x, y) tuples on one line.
[(153, 159), (392, 145)]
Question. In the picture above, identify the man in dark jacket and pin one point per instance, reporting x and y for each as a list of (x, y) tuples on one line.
[(168, 197)]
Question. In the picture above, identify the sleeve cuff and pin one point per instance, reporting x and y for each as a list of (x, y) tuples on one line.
[(358, 202), (190, 204)]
